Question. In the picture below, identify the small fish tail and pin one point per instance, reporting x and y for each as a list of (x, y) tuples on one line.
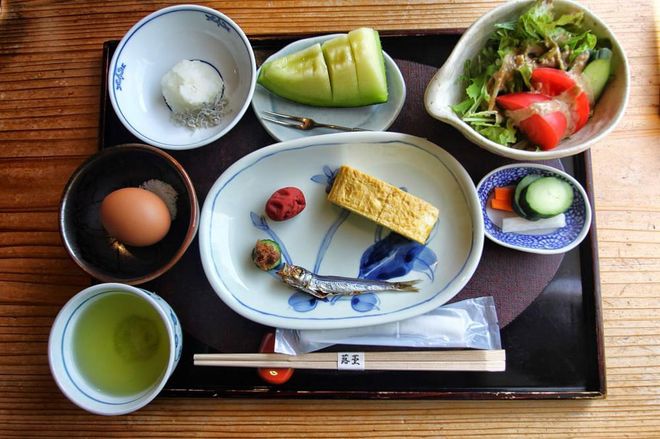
[(408, 285)]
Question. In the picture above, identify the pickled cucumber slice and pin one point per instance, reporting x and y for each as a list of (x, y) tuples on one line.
[(301, 77)]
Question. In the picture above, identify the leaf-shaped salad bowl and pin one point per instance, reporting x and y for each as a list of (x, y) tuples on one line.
[(446, 88), (329, 240)]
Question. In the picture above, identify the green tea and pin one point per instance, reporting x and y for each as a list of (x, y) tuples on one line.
[(120, 344)]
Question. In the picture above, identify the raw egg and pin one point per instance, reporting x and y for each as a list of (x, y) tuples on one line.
[(135, 216)]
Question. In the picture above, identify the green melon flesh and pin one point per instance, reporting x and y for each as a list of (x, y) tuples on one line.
[(343, 76), (347, 71), (370, 64), (301, 76)]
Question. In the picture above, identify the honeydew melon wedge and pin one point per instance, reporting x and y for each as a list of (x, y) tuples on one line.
[(346, 71), (341, 67), (301, 76), (369, 63)]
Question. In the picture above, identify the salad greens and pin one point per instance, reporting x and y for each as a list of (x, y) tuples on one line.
[(538, 38)]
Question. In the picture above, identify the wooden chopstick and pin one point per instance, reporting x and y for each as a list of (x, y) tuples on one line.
[(459, 360)]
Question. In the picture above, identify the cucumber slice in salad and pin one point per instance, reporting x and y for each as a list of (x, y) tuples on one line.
[(597, 72)]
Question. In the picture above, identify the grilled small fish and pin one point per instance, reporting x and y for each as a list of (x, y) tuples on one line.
[(326, 286)]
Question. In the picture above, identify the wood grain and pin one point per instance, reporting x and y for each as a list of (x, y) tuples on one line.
[(50, 59)]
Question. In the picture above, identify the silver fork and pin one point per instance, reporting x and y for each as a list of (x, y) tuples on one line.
[(302, 123)]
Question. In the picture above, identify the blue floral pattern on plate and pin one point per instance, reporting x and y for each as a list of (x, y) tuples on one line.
[(119, 76), (578, 216), (388, 257)]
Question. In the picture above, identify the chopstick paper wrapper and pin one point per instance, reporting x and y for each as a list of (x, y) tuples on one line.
[(463, 360), (470, 323)]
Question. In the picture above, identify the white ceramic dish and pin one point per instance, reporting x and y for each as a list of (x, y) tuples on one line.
[(62, 358), (578, 216), (329, 240), (446, 89), (153, 46), (377, 117)]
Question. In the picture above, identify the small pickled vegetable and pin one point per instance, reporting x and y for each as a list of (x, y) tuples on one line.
[(522, 184), (516, 224), (503, 198), (546, 197), (266, 254), (285, 203)]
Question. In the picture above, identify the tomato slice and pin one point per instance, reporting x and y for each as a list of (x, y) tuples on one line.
[(581, 110), (518, 101), (553, 82), (276, 375), (545, 130)]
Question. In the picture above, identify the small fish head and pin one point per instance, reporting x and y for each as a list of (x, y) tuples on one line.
[(292, 275)]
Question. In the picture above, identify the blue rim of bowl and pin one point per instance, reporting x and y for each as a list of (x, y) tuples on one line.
[(112, 73), (146, 395), (544, 170)]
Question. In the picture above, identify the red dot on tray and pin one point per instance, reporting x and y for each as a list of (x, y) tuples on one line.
[(275, 375)]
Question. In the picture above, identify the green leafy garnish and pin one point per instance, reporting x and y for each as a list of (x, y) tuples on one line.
[(538, 37)]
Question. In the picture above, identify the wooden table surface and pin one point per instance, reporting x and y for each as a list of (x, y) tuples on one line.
[(50, 59)]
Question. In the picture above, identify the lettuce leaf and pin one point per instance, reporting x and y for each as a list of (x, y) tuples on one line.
[(503, 135)]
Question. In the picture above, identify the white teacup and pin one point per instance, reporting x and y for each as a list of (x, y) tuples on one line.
[(125, 360)]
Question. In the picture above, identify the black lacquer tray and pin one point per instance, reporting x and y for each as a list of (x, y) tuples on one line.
[(552, 327)]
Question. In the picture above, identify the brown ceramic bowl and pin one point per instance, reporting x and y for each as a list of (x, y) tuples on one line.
[(84, 237)]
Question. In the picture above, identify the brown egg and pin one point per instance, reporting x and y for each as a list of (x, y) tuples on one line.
[(135, 216)]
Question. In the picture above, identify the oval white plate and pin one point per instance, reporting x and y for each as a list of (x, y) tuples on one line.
[(327, 237), (377, 117)]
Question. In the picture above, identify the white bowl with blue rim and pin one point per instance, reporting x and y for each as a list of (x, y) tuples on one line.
[(153, 46), (92, 392), (550, 241), (376, 117)]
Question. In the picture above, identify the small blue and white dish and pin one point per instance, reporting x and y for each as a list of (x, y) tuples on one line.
[(561, 240), (376, 117)]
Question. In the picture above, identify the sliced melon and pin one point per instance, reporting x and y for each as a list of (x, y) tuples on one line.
[(347, 71), (343, 75), (370, 65), (301, 76)]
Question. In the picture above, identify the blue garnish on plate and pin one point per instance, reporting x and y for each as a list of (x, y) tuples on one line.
[(396, 256)]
